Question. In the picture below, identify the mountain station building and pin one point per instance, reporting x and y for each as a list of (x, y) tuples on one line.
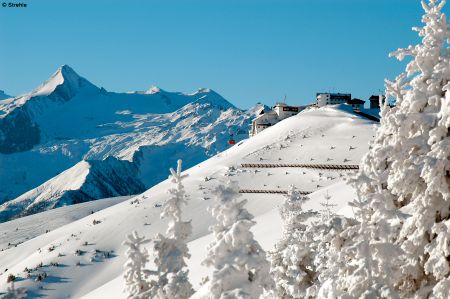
[(269, 117)]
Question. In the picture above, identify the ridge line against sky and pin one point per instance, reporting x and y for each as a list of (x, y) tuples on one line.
[(248, 51)]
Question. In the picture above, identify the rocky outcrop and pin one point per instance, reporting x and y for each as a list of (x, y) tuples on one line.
[(18, 132)]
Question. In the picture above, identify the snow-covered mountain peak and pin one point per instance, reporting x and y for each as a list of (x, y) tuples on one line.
[(153, 90), (116, 124), (68, 73), (66, 70), (63, 85), (65, 77), (209, 96)]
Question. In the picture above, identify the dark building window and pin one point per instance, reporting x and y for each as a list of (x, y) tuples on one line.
[(294, 109)]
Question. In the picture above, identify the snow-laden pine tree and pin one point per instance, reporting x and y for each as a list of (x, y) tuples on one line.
[(135, 274), (240, 267), (13, 293), (171, 251), (350, 263), (327, 208), (403, 182), (292, 258)]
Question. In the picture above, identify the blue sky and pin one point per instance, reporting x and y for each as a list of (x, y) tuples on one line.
[(246, 50)]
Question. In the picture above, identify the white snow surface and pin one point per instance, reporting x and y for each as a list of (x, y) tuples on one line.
[(68, 119), (18, 231), (330, 135), (85, 181)]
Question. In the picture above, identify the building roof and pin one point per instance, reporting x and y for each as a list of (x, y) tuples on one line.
[(266, 114), (355, 101), (335, 94)]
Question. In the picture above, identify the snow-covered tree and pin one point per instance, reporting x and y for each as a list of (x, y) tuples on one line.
[(240, 267), (326, 246), (426, 234), (349, 262), (135, 273), (171, 251), (313, 254), (13, 293), (292, 258), (327, 211), (403, 184)]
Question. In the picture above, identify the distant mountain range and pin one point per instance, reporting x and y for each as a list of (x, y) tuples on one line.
[(69, 141)]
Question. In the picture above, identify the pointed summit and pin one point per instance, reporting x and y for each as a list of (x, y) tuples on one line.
[(67, 72), (65, 81)]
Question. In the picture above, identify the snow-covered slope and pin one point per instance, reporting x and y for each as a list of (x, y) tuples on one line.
[(68, 119), (86, 181), (19, 230), (326, 135)]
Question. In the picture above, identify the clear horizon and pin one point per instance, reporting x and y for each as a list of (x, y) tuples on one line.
[(247, 51)]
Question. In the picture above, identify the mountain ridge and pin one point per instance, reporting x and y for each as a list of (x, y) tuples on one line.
[(35, 109), (67, 119), (86, 181)]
